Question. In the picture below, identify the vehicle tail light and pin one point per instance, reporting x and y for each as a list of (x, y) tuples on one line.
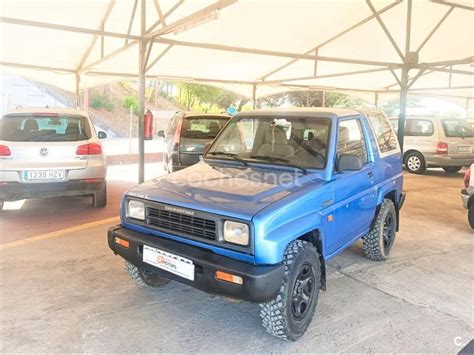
[(5, 151), (467, 178), (442, 148), (89, 149)]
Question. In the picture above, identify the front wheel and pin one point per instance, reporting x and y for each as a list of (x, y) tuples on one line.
[(378, 242), (143, 277), (291, 312), (470, 215), (452, 169)]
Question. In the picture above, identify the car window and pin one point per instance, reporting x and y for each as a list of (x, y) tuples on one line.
[(202, 127), (457, 128), (274, 140), (384, 134), (351, 139), (418, 127), (44, 127)]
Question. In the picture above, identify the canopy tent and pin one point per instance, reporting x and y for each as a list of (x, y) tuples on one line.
[(253, 47)]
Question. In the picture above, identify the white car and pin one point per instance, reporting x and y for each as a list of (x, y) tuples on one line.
[(467, 194), (46, 152)]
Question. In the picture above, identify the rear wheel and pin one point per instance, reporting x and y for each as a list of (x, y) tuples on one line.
[(470, 215), (415, 163), (99, 198), (291, 312), (143, 277), (378, 242), (452, 169)]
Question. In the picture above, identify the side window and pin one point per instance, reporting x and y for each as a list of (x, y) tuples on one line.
[(351, 139), (416, 127), (385, 136)]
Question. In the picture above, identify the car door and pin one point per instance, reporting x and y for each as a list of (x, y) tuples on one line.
[(355, 195)]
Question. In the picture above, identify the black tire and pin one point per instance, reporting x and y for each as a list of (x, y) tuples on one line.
[(99, 198), (415, 163), (378, 242), (470, 215), (452, 169), (143, 277), (289, 314)]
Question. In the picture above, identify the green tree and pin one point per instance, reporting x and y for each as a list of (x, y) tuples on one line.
[(131, 101), (391, 107), (309, 98)]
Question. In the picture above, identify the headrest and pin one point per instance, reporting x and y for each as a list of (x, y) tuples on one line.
[(31, 125), (72, 128), (275, 135), (310, 135), (344, 135), (214, 127)]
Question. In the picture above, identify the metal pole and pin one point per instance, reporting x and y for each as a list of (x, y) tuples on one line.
[(324, 98), (141, 97), (78, 94), (467, 107), (130, 130), (376, 99), (403, 106), (254, 96)]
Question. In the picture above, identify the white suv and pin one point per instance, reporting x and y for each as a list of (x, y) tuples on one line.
[(446, 143), (51, 152)]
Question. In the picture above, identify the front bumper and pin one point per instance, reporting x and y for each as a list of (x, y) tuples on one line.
[(260, 283), (465, 197), (13, 190)]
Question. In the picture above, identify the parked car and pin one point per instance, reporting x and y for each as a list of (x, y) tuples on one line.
[(432, 142), (278, 194), (467, 194), (187, 136), (47, 152)]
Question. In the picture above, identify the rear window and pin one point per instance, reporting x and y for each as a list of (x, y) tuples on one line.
[(457, 128), (202, 127), (44, 128)]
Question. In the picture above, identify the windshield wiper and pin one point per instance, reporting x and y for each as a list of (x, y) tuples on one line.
[(275, 159), (230, 155)]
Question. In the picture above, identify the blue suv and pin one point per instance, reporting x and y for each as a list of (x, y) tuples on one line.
[(277, 194)]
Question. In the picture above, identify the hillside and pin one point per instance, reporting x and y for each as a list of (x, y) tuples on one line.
[(109, 112)]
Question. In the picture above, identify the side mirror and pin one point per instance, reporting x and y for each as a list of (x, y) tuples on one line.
[(161, 134), (206, 147), (101, 135), (349, 162)]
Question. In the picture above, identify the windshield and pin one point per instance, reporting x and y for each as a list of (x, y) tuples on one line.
[(44, 127), (202, 127), (457, 128), (293, 141)]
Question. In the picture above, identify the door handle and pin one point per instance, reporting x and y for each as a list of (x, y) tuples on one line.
[(370, 174)]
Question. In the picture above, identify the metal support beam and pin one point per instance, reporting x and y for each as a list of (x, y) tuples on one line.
[(403, 106), (385, 29), (376, 99), (161, 55), (88, 51), (169, 12), (160, 13), (440, 22), (254, 96), (78, 94), (141, 95), (130, 22), (453, 4), (467, 107)]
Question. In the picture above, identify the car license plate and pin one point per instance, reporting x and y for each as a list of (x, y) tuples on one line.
[(464, 149), (44, 175), (170, 262)]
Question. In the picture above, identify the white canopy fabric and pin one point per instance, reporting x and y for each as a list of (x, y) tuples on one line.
[(271, 45)]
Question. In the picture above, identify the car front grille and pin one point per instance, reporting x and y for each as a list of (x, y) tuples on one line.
[(181, 223)]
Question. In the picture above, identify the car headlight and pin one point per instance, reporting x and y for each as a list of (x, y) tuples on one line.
[(136, 209), (237, 233)]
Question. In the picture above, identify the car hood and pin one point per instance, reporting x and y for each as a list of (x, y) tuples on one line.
[(238, 192)]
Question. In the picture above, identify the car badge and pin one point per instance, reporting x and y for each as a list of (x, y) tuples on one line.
[(44, 151)]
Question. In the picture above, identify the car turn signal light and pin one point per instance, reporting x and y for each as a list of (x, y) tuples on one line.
[(224, 276), (442, 148), (122, 242)]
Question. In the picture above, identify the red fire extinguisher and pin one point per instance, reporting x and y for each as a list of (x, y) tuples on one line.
[(148, 125)]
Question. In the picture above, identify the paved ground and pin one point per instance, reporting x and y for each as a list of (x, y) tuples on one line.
[(69, 293)]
